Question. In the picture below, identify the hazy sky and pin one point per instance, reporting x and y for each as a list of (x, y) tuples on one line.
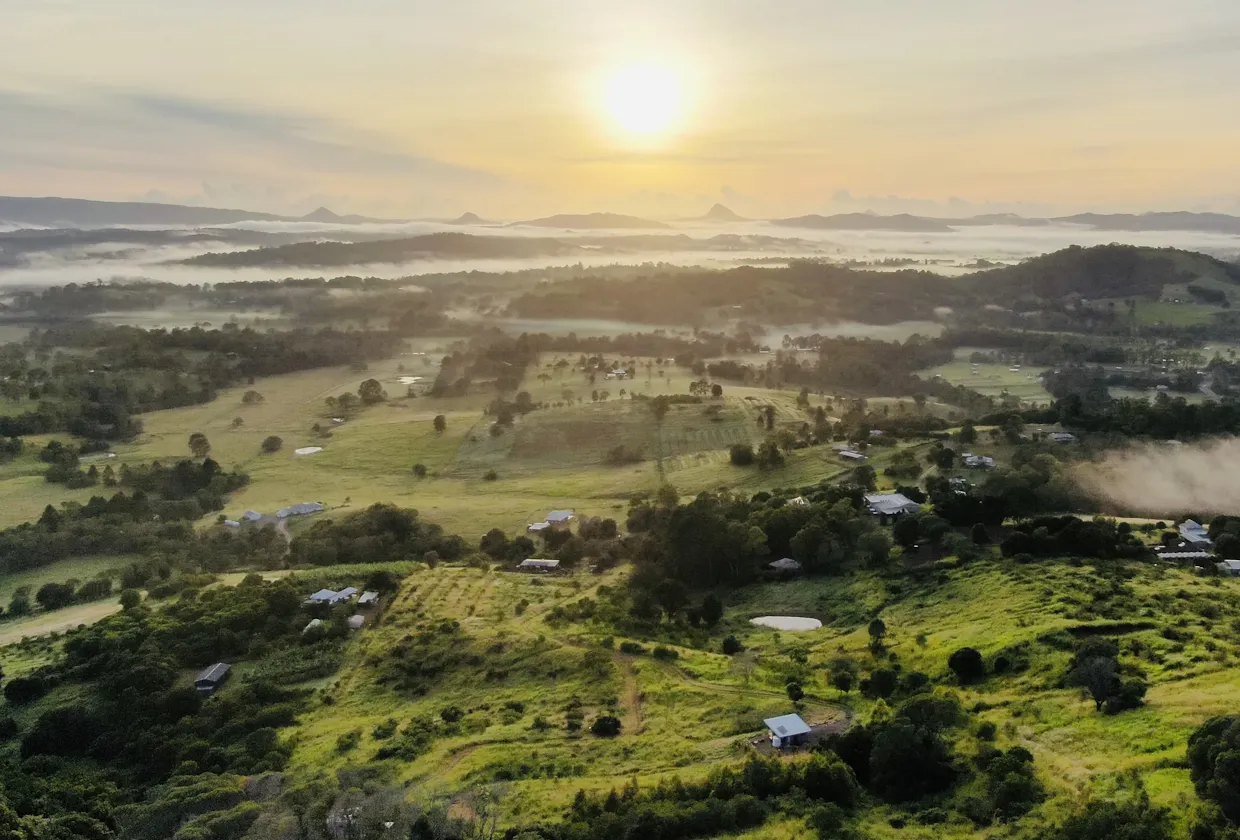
[(413, 107)]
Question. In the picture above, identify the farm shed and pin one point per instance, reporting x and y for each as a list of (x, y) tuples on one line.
[(1229, 568), (210, 679), (536, 565), (356, 622), (787, 731), (1195, 534), (785, 564), (368, 599), (560, 517), (890, 505)]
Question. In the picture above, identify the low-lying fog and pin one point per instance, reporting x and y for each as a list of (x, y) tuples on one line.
[(1201, 479), (949, 252)]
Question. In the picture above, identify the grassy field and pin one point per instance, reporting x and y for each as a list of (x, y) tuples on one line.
[(80, 569), (552, 458), (686, 716), (993, 379)]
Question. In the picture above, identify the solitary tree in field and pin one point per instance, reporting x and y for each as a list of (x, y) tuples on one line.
[(716, 390), (877, 630), (251, 397), (371, 392), (237, 422), (199, 445), (272, 444), (440, 422)]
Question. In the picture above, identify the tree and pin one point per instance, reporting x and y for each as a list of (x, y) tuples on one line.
[(741, 454), (979, 534), (672, 596), (199, 445), (968, 434), (966, 663), (54, 596), (732, 646), (865, 477), (419, 470), (906, 531), (272, 444), (371, 392), (877, 630), (712, 609), (1097, 676), (251, 397), (440, 422), (909, 762), (1214, 763), (875, 548), (843, 679), (237, 422), (769, 456), (494, 544), (716, 390), (1111, 821), (794, 691), (130, 598)]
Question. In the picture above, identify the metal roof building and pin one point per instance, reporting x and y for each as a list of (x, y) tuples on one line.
[(890, 504)]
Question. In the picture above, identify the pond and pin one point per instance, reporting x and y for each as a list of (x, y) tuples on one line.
[(792, 623), (307, 450)]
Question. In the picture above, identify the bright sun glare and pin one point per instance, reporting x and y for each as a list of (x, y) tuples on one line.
[(644, 99)]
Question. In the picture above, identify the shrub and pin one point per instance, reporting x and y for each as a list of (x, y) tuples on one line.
[(666, 653), (21, 691), (272, 444), (986, 730), (967, 665), (605, 726), (348, 741), (732, 646), (491, 475), (741, 454), (451, 714), (632, 648)]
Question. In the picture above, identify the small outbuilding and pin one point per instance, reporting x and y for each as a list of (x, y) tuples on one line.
[(314, 622), (1229, 568), (356, 622), (560, 517), (850, 454), (369, 599), (787, 731), (231, 523), (210, 679), (300, 509), (1062, 437), (787, 565), (538, 565), (251, 516), (537, 527), (798, 501)]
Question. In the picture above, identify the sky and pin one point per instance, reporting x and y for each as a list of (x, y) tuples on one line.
[(401, 108)]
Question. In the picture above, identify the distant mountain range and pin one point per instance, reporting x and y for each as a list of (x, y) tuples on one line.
[(72, 212), (867, 221), (75, 212), (594, 221)]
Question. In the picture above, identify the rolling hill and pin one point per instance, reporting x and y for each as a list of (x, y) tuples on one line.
[(866, 221)]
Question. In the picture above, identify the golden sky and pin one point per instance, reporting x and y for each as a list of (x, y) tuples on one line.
[(499, 106)]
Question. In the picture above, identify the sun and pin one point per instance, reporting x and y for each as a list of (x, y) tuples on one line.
[(644, 98)]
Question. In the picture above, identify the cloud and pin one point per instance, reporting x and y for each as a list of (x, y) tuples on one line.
[(1168, 479), (175, 142)]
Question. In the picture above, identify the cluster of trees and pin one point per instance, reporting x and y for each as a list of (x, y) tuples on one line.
[(115, 373), (381, 533), (491, 356), (55, 596), (1096, 668), (1071, 536), (136, 753)]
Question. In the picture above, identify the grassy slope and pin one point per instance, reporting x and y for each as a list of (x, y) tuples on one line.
[(685, 717)]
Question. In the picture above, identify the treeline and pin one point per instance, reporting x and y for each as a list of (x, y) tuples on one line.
[(125, 524), (119, 372)]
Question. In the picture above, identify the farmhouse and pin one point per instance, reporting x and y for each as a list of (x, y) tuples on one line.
[(560, 517), (536, 565), (300, 509), (787, 731), (890, 505), (209, 680), (331, 596), (785, 564), (1195, 534)]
